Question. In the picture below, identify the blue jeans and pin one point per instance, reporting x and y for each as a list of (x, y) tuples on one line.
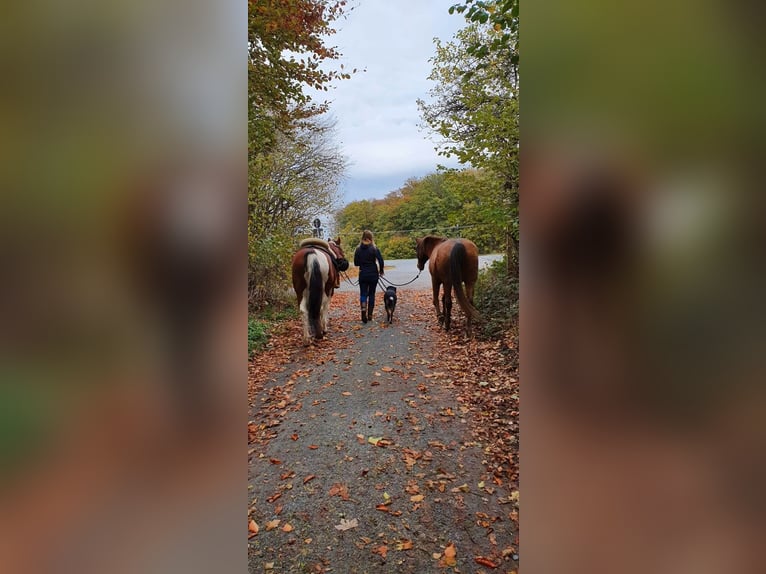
[(367, 289)]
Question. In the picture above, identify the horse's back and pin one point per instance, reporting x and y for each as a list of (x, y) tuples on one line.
[(441, 257)]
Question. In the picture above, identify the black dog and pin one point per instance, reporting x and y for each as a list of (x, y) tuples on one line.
[(389, 299)]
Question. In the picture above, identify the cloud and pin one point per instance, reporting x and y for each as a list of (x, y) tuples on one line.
[(376, 109)]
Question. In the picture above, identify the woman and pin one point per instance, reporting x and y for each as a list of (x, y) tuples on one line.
[(368, 258)]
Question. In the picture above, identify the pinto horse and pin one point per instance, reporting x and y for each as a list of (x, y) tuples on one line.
[(316, 275), (453, 262)]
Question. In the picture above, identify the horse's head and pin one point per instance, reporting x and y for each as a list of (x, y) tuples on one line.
[(420, 250), (424, 248)]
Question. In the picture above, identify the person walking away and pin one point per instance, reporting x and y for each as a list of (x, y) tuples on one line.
[(368, 258)]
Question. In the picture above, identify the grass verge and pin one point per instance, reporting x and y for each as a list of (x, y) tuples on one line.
[(261, 324)]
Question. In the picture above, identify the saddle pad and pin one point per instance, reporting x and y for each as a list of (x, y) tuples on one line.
[(315, 241)]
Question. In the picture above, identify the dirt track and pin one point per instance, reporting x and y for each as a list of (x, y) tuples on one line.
[(368, 426)]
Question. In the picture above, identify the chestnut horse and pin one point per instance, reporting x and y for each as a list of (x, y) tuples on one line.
[(316, 275), (453, 262)]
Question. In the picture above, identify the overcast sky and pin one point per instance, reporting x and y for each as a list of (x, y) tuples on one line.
[(376, 111)]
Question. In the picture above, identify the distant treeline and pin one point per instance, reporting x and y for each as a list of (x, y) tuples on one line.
[(466, 203)]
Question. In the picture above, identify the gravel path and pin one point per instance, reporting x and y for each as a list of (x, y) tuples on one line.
[(364, 427)]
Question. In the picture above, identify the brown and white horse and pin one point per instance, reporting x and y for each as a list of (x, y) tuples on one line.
[(453, 262), (315, 277)]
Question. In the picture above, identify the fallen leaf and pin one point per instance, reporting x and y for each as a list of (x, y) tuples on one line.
[(275, 461), (308, 478), (450, 552), (268, 566), (382, 550), (485, 562), (404, 545), (287, 527), (386, 369), (417, 498), (272, 524), (347, 524), (313, 447), (374, 440), (382, 507), (461, 488), (339, 489), (273, 497), (346, 394), (294, 436), (253, 529)]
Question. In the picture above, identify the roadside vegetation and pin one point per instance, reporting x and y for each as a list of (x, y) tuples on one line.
[(497, 299), (265, 322)]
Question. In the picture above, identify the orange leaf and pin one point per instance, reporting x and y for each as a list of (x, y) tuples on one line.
[(294, 436), (287, 527), (339, 489), (417, 498), (273, 497), (404, 545), (382, 550), (485, 562), (309, 477), (272, 524), (386, 369), (382, 507), (275, 461), (449, 556), (346, 394), (253, 527), (313, 447)]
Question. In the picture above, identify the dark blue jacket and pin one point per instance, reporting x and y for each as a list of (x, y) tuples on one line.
[(367, 257)]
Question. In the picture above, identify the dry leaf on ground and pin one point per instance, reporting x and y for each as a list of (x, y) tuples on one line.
[(347, 524)]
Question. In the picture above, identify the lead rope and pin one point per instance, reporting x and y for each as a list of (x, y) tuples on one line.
[(382, 281), (385, 281)]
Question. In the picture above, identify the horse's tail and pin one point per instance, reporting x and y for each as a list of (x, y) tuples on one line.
[(457, 261), (315, 286)]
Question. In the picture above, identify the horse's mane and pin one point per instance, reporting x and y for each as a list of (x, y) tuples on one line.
[(429, 241), (315, 241)]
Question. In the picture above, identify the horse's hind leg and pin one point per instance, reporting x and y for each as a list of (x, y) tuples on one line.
[(436, 285), (305, 318), (447, 301), (324, 314)]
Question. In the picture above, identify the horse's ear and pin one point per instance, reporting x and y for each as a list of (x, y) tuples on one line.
[(337, 241)]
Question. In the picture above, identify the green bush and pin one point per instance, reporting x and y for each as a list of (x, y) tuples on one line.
[(268, 270), (257, 335), (497, 299), (399, 247), (262, 323)]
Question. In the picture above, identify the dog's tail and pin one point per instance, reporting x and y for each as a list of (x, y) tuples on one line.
[(457, 260)]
